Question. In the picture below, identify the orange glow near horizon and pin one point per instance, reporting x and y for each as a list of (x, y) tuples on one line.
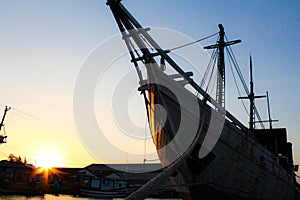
[(48, 158)]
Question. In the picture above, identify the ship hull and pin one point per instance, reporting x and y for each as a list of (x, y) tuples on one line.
[(226, 163)]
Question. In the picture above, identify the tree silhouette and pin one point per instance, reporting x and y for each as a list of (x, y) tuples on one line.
[(15, 159)]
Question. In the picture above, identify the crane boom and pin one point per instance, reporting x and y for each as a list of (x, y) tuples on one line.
[(3, 137)]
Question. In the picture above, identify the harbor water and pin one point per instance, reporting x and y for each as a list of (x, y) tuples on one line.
[(59, 197)]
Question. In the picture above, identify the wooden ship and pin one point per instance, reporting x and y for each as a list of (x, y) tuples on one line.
[(205, 150)]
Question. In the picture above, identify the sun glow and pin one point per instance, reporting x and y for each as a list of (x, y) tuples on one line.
[(47, 158)]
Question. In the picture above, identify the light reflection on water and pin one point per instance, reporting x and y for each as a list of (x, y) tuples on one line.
[(60, 197), (45, 197)]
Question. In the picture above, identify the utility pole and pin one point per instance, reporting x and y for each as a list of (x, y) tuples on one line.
[(3, 137), (5, 111)]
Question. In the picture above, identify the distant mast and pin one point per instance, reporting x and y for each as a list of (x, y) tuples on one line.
[(220, 95), (270, 120), (221, 44), (269, 111), (252, 98)]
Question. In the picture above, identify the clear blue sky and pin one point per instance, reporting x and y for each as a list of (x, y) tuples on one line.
[(43, 45)]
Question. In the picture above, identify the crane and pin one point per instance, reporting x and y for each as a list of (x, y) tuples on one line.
[(3, 137)]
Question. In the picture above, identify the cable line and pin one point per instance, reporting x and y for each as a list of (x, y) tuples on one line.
[(184, 45)]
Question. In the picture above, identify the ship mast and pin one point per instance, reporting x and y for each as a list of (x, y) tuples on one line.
[(270, 120), (269, 111), (221, 44), (252, 98)]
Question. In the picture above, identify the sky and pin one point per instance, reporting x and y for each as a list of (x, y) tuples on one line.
[(44, 44)]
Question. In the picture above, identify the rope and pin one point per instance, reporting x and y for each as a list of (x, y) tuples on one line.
[(154, 183), (212, 71), (236, 85), (184, 45), (33, 120), (208, 69), (237, 68), (145, 141)]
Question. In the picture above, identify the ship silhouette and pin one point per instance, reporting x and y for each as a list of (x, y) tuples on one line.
[(206, 151)]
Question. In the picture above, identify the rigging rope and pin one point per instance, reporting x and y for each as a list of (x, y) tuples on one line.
[(154, 183), (213, 85), (184, 45), (212, 71), (237, 68), (235, 82), (210, 64)]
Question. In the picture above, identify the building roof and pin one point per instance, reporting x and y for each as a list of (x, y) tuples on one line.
[(131, 168), (10, 164)]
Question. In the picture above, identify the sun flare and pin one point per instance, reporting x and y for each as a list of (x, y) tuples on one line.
[(47, 158)]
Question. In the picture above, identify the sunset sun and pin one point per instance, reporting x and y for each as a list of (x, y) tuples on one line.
[(48, 158)]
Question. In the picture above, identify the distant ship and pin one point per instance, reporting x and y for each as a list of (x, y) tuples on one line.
[(224, 159)]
